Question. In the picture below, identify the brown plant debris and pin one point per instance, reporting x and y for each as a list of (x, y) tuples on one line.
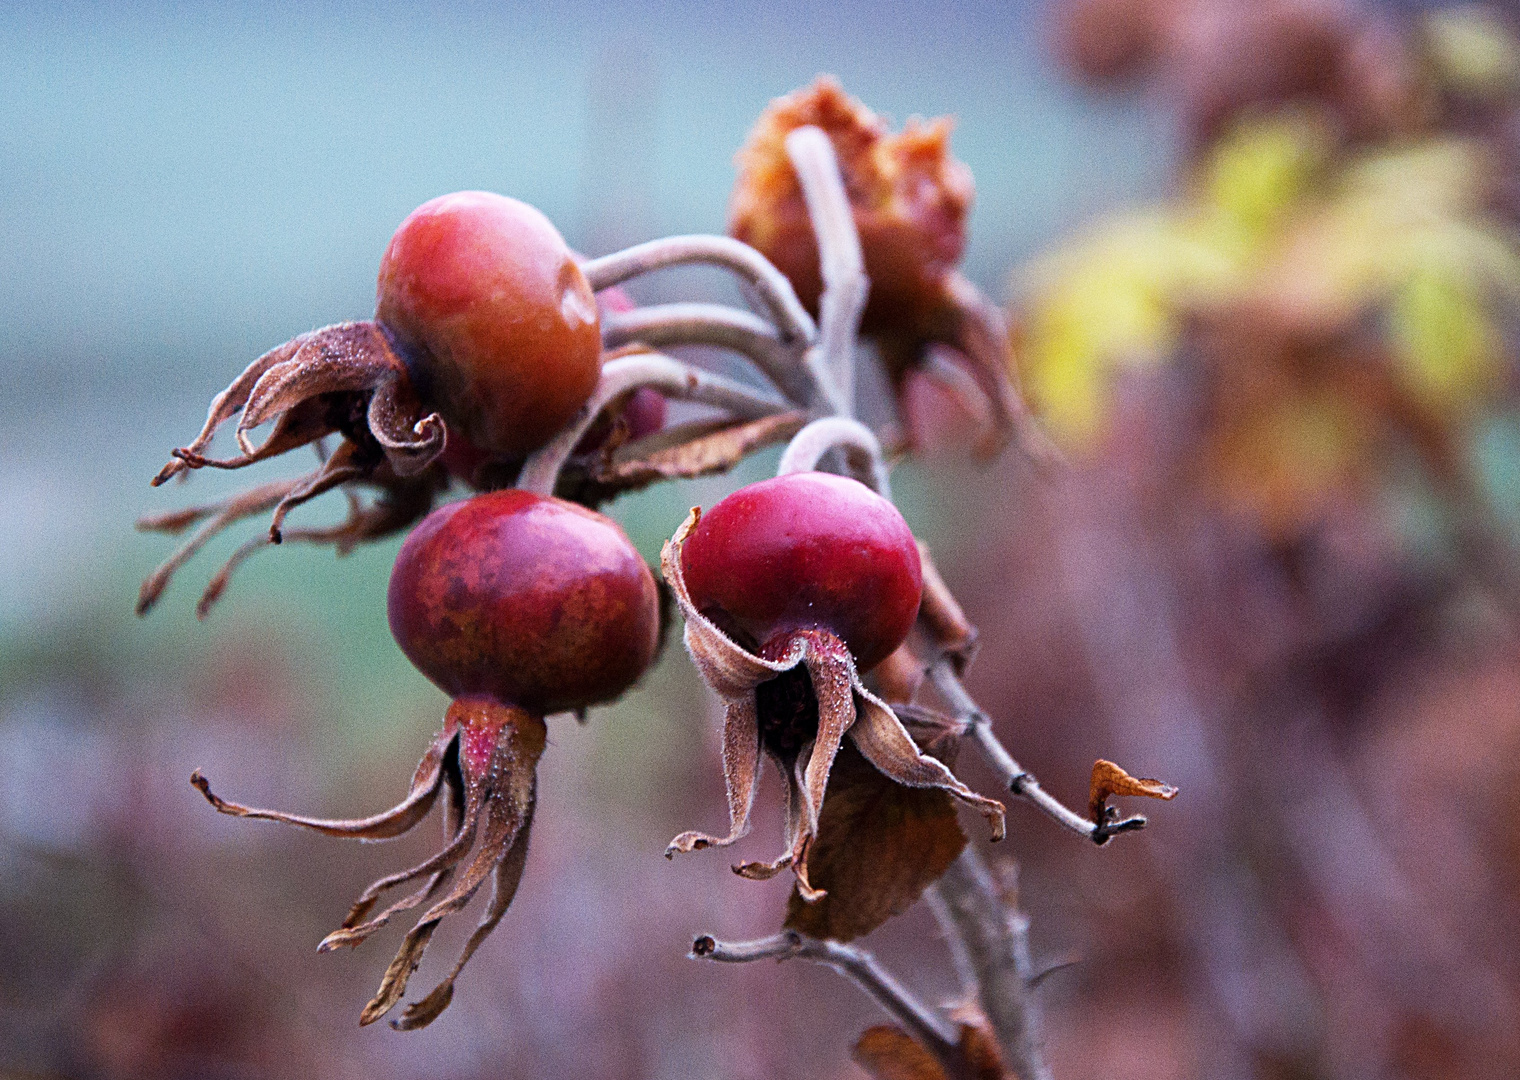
[(1109, 780)]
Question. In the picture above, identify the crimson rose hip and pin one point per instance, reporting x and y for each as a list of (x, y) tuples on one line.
[(791, 588), (808, 551), (517, 605), (531, 600)]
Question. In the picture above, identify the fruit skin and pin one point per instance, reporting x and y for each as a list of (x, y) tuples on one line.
[(524, 598), (807, 551), (498, 323)]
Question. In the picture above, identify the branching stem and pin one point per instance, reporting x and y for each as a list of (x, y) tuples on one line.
[(1020, 781), (670, 377), (666, 325), (770, 285), (855, 964)]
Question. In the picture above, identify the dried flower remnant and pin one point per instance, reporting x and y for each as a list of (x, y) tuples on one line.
[(910, 199), (790, 589), (518, 606), (485, 340)]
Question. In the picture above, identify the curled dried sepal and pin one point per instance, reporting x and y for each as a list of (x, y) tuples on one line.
[(486, 757), (1109, 780), (798, 704), (316, 384), (401, 502)]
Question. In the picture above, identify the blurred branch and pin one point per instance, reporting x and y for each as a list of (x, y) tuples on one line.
[(857, 965), (1020, 781), (992, 937)]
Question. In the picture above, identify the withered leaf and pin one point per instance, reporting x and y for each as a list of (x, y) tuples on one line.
[(706, 451), (1108, 780), (879, 845), (888, 1052)]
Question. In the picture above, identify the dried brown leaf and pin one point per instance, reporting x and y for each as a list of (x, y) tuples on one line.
[(710, 451), (887, 1052), (1108, 780), (879, 845)]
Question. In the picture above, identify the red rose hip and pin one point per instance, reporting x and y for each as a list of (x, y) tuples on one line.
[(499, 323), (807, 551), (517, 605), (530, 600)]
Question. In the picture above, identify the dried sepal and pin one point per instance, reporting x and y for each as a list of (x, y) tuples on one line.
[(330, 366), (943, 619), (485, 758), (1109, 780), (814, 702), (399, 503)]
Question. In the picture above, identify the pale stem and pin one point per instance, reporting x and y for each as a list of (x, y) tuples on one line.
[(671, 378), (772, 287), (857, 965), (858, 442), (1020, 781), (720, 326), (841, 265), (994, 939)]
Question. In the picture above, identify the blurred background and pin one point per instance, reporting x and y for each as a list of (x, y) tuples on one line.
[(1262, 262)]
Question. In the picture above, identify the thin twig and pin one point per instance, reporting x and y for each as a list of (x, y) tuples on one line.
[(829, 433), (666, 325), (774, 290), (670, 377), (857, 965), (1020, 781), (841, 264)]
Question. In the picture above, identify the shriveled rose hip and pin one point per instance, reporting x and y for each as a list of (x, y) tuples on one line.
[(910, 198)]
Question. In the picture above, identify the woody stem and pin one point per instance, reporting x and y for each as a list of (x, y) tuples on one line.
[(855, 964), (1020, 781)]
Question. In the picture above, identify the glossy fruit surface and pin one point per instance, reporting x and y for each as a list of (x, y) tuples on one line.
[(531, 600), (498, 322), (807, 551)]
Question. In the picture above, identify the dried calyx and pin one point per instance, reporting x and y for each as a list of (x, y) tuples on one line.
[(790, 589), (910, 199), (518, 606)]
